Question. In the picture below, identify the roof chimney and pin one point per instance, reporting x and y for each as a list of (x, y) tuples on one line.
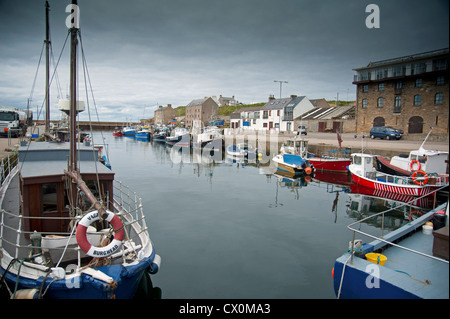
[(271, 97)]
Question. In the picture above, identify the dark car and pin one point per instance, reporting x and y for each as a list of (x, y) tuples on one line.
[(386, 132)]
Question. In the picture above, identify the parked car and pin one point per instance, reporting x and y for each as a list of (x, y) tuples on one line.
[(302, 130), (386, 132)]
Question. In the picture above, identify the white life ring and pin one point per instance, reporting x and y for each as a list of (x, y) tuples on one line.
[(98, 252)]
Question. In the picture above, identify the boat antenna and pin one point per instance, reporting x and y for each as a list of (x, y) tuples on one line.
[(421, 146)]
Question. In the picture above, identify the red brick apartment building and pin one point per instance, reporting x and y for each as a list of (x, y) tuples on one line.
[(409, 93)]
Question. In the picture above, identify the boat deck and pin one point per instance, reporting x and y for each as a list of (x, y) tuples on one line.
[(431, 273)]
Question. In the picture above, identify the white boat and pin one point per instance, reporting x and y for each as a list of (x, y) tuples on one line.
[(427, 161), (243, 150), (68, 229), (179, 136), (209, 134)]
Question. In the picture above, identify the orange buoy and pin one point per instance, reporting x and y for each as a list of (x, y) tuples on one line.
[(411, 165), (308, 170), (424, 176)]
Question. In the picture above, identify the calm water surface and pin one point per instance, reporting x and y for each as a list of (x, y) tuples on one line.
[(227, 230)]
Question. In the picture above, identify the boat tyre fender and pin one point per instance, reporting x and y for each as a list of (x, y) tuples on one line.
[(94, 251), (411, 165), (421, 182)]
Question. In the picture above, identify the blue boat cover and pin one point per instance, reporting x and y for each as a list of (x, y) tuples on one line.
[(293, 159)]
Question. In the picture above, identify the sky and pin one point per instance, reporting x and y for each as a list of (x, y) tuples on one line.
[(144, 53)]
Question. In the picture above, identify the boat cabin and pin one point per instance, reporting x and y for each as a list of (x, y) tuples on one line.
[(430, 161), (44, 187), (363, 164), (295, 147)]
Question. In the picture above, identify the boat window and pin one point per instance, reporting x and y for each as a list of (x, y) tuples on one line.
[(368, 160), (49, 197), (357, 160)]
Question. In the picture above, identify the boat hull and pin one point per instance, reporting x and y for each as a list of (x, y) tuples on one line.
[(412, 190), (330, 164), (85, 286)]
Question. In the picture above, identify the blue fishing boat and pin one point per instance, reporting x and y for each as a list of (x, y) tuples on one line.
[(129, 131), (68, 229), (143, 134), (410, 262)]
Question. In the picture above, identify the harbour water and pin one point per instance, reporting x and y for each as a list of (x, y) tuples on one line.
[(233, 230)]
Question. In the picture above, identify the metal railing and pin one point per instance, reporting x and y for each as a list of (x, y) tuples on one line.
[(352, 227)]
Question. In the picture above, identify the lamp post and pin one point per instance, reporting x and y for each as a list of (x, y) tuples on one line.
[(281, 84)]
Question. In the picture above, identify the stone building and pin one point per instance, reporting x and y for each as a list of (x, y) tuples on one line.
[(164, 114), (409, 93), (204, 110)]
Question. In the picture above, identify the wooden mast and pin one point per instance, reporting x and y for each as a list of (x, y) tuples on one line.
[(47, 69), (73, 169)]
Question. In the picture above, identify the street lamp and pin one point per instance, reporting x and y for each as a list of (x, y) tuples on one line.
[(281, 84)]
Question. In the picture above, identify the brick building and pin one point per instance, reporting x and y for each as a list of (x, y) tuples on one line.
[(410, 93)]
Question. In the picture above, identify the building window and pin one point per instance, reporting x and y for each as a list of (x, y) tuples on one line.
[(439, 98), (417, 99), (418, 83), (440, 80), (364, 103), (398, 84), (380, 102), (265, 114), (365, 88), (264, 124), (398, 104), (380, 86)]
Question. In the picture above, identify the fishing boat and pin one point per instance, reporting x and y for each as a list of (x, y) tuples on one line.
[(143, 134), (335, 161), (209, 135), (243, 150), (179, 136), (293, 164), (68, 229), (427, 161), (117, 133), (129, 131), (159, 136), (363, 172), (410, 262)]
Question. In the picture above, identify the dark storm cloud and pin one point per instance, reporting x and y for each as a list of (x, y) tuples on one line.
[(142, 53)]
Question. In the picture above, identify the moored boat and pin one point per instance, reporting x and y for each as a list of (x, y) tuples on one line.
[(129, 130), (209, 135), (143, 134), (335, 161), (293, 164), (180, 136), (364, 173), (410, 262), (69, 230)]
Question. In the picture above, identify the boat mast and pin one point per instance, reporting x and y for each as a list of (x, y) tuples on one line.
[(73, 95), (47, 69)]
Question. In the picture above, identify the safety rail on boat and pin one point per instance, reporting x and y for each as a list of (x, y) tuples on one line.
[(426, 180), (381, 239), (17, 239), (7, 165)]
